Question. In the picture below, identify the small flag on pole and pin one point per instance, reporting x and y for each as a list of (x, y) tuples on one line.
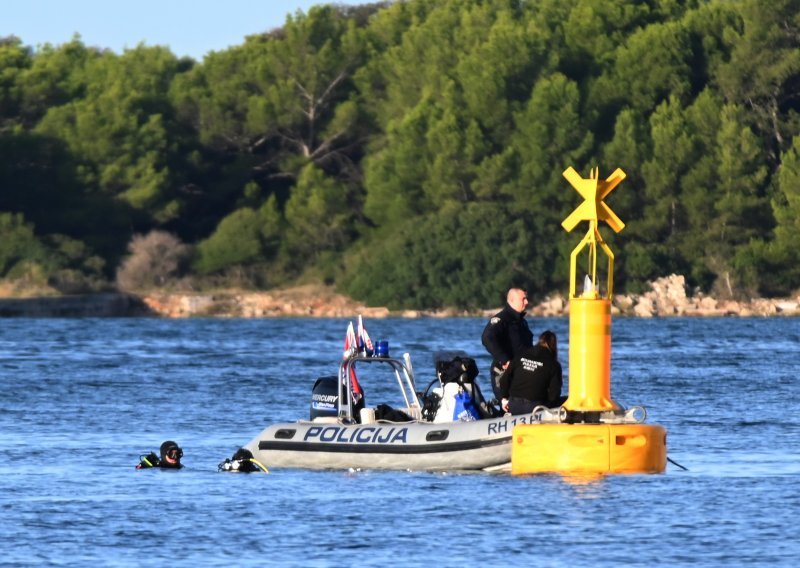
[(350, 346), (364, 342), (350, 350)]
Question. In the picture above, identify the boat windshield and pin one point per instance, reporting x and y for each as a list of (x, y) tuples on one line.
[(401, 369)]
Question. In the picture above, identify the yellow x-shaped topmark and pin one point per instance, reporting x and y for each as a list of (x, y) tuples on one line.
[(593, 190)]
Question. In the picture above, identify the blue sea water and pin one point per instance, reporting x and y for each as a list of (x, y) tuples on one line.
[(81, 399)]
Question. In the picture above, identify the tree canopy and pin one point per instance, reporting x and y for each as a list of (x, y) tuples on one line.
[(411, 152)]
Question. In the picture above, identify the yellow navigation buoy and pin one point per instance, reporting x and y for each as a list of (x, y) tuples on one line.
[(591, 433), (588, 448)]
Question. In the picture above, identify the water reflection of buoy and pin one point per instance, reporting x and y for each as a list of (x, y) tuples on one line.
[(590, 434)]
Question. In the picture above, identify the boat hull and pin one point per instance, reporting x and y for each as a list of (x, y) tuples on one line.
[(416, 446)]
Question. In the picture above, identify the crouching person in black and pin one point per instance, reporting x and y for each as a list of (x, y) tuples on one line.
[(170, 458), (533, 378)]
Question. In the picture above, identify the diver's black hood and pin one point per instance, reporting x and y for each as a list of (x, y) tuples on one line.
[(166, 447)]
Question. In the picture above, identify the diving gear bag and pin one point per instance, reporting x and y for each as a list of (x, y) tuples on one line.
[(461, 370), (464, 408)]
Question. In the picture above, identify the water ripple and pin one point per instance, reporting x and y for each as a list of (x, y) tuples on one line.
[(82, 399)]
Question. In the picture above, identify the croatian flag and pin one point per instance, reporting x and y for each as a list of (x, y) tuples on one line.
[(364, 342), (349, 351)]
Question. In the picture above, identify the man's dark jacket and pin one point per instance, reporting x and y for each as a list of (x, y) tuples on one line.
[(506, 335)]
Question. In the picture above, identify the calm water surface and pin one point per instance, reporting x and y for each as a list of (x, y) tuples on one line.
[(81, 399)]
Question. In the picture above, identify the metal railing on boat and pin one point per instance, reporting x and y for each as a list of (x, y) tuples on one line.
[(403, 373)]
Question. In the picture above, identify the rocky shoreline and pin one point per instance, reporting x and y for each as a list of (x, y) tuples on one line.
[(667, 298)]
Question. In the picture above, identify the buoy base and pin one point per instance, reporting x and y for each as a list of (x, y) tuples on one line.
[(588, 448)]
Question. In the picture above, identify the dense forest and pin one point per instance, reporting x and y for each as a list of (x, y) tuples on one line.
[(411, 152)]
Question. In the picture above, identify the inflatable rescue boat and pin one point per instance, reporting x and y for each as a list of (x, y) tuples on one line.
[(431, 431)]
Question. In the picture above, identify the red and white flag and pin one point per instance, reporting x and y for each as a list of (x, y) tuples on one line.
[(350, 350), (350, 345), (364, 342)]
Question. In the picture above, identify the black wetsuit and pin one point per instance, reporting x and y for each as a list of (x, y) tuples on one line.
[(505, 336), (533, 378)]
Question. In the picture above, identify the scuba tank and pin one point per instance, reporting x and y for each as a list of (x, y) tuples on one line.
[(150, 460)]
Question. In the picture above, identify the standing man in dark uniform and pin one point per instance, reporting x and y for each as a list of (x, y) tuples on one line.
[(506, 335)]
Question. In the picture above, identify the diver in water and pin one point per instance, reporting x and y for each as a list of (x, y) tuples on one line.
[(242, 461), (171, 455)]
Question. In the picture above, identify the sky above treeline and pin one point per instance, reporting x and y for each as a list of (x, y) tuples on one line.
[(188, 27)]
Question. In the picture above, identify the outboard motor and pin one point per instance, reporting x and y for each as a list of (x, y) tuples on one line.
[(325, 397)]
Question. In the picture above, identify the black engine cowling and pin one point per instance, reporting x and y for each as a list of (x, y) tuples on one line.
[(325, 397)]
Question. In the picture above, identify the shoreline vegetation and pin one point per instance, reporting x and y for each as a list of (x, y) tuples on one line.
[(413, 154), (667, 298)]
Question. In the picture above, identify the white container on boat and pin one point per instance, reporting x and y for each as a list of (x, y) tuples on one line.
[(367, 415)]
